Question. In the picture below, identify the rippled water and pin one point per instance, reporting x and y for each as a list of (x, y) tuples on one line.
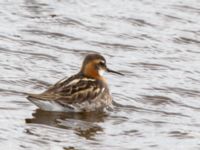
[(155, 43)]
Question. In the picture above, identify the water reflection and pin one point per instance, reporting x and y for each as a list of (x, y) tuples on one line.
[(83, 124)]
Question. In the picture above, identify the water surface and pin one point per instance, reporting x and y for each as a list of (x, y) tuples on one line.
[(156, 44)]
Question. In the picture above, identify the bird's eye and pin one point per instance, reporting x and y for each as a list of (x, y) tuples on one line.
[(102, 63)]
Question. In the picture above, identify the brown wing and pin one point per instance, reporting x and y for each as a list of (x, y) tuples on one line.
[(73, 90)]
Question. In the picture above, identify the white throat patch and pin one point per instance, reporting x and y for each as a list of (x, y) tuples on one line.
[(101, 72)]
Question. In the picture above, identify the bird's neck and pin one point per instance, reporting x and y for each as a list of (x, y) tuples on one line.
[(93, 74), (89, 71)]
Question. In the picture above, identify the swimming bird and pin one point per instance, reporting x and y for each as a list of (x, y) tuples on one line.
[(85, 91)]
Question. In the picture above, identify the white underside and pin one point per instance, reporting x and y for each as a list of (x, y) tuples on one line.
[(53, 106)]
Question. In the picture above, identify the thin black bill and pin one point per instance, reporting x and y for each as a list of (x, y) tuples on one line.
[(112, 71)]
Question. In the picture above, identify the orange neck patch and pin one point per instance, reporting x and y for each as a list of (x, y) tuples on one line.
[(89, 70)]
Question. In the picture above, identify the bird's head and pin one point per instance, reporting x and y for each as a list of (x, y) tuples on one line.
[(94, 65)]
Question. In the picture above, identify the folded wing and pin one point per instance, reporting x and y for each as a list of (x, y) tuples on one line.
[(73, 90)]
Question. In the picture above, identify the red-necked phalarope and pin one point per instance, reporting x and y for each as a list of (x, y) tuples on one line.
[(84, 91)]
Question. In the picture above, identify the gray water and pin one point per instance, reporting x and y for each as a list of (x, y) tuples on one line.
[(155, 43)]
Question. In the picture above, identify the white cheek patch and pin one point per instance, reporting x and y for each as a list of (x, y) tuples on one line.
[(101, 72)]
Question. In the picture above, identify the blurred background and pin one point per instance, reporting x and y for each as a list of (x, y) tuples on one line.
[(156, 44)]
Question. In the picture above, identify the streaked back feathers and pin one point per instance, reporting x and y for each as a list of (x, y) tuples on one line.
[(75, 90)]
